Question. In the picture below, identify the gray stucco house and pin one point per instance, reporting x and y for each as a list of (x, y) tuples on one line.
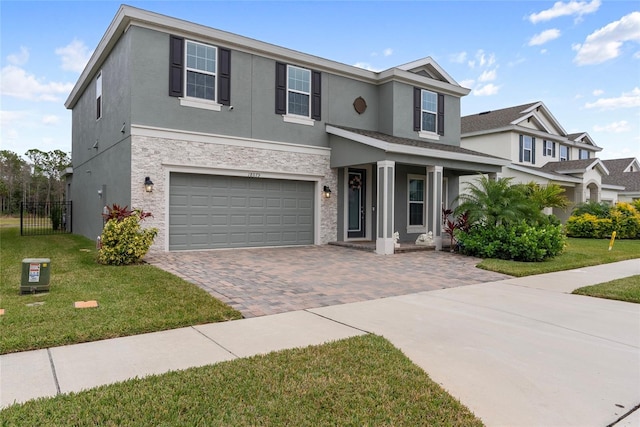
[(250, 144)]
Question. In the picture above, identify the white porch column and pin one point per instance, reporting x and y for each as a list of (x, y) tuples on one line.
[(386, 186), (434, 204)]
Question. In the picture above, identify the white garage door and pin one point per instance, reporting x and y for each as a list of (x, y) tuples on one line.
[(213, 211)]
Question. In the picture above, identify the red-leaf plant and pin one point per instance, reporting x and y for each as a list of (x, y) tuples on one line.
[(451, 224), (119, 213)]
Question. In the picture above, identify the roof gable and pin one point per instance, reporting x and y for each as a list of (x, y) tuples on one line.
[(427, 67), (624, 172)]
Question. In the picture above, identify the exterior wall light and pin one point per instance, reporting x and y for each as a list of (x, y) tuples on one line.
[(148, 184), (327, 192)]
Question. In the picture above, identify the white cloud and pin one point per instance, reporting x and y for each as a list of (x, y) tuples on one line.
[(16, 82), (19, 58), (615, 127), (482, 59), (571, 8), (387, 52), (486, 90), (9, 117), (74, 56), (597, 92), (544, 37), (458, 58), (50, 119), (467, 83), (604, 44), (626, 100), (488, 75)]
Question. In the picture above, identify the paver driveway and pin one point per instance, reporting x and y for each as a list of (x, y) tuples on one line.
[(258, 282)]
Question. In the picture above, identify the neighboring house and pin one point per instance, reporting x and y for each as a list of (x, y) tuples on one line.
[(250, 144), (541, 151), (624, 173)]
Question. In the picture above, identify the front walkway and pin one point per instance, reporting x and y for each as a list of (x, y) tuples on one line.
[(260, 282)]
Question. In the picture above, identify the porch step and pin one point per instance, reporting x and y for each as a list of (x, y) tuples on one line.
[(369, 245)]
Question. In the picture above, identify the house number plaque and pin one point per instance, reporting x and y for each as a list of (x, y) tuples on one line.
[(253, 174)]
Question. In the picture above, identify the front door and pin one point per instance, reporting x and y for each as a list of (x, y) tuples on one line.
[(356, 205)]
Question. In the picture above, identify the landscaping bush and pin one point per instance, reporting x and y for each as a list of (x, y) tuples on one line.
[(520, 242), (123, 240), (623, 218)]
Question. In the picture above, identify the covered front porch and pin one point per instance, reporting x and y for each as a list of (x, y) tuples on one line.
[(392, 190)]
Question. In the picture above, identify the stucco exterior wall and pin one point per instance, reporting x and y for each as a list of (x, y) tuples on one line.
[(157, 157)]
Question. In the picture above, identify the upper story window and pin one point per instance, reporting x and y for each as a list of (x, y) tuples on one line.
[(298, 91), (428, 113), (527, 149), (416, 202), (199, 74), (584, 154), (298, 94), (564, 153), (99, 96), (200, 71), (549, 149)]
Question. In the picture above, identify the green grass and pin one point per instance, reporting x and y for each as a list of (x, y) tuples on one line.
[(357, 381), (627, 289), (132, 300), (579, 253)]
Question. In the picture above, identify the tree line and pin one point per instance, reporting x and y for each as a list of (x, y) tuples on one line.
[(38, 179)]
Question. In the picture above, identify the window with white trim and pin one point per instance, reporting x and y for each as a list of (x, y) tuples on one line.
[(584, 154), (99, 96), (200, 70), (549, 148), (298, 91), (564, 153), (429, 111), (415, 199), (527, 149)]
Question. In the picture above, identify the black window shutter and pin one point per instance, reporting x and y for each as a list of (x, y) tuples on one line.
[(553, 150), (440, 114), (533, 151), (281, 88), (521, 148), (316, 92), (417, 108), (544, 148), (224, 76), (176, 59)]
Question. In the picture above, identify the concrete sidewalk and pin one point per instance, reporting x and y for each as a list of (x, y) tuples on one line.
[(517, 352)]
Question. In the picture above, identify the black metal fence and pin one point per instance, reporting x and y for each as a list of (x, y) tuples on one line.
[(38, 218)]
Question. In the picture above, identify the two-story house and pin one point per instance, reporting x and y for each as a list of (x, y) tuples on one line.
[(541, 151), (249, 144)]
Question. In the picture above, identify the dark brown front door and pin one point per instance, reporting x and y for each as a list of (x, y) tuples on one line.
[(356, 215)]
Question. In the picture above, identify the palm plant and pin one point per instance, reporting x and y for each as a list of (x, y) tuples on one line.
[(494, 202)]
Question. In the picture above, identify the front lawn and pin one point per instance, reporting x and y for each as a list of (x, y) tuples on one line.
[(358, 381), (132, 300), (578, 253), (626, 289)]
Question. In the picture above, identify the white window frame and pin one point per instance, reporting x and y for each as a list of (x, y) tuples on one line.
[(99, 110), (548, 148), (194, 101), (566, 157), (292, 90), (525, 150), (416, 228), (424, 110), (581, 152)]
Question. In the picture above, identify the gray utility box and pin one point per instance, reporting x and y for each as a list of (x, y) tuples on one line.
[(36, 274)]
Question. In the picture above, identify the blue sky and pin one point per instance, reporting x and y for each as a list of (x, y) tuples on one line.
[(581, 58)]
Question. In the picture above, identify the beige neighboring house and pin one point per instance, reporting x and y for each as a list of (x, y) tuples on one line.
[(541, 151)]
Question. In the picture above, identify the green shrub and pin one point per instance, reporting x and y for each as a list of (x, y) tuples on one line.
[(598, 209), (623, 218), (123, 240), (520, 242)]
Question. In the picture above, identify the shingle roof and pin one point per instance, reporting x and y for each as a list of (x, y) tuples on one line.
[(493, 119), (568, 165), (415, 143), (629, 180)]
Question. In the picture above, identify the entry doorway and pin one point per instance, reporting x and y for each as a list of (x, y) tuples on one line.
[(356, 209)]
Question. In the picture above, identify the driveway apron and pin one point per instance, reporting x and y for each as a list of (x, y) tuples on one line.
[(266, 281)]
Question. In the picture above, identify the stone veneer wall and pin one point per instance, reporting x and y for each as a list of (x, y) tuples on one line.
[(154, 157)]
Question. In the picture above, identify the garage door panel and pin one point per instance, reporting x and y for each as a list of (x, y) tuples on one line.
[(210, 211)]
